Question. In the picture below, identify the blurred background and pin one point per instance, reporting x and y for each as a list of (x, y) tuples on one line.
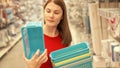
[(94, 21)]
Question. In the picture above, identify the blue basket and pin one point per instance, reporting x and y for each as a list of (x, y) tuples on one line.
[(70, 55), (33, 38)]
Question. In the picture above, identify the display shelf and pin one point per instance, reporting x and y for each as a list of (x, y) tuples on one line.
[(109, 12), (110, 19), (24, 13), (4, 50), (112, 16)]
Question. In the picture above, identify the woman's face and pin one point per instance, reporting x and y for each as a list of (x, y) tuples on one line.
[(53, 14)]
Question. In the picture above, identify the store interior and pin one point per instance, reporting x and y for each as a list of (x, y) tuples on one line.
[(94, 21)]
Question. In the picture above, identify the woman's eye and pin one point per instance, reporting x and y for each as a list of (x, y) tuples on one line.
[(48, 10), (56, 12)]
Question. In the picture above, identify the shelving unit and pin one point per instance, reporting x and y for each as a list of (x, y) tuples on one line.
[(109, 12), (110, 20), (99, 19), (13, 24), (25, 12), (4, 50), (112, 15)]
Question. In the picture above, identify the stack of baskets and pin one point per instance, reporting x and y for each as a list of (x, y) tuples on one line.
[(75, 56)]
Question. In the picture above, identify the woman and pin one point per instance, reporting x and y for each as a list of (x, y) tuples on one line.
[(56, 33)]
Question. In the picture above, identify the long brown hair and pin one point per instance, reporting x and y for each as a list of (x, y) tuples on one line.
[(63, 26)]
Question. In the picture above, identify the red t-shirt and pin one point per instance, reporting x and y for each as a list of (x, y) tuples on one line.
[(51, 44)]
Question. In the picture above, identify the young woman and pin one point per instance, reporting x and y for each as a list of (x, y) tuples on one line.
[(56, 33)]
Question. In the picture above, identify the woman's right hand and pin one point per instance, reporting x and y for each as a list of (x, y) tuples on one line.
[(36, 60)]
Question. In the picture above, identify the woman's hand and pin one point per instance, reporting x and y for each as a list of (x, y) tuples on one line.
[(36, 60)]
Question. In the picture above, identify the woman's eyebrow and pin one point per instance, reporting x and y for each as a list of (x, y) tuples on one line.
[(54, 10)]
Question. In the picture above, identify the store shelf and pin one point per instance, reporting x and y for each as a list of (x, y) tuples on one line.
[(112, 16), (4, 50), (109, 12), (110, 20)]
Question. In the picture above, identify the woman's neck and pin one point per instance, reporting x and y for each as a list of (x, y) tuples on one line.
[(50, 31)]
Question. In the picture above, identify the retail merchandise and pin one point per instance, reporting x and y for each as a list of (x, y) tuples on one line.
[(32, 36), (99, 26), (12, 18), (113, 50), (117, 54), (75, 56)]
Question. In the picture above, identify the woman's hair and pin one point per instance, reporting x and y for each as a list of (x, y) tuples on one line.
[(63, 26)]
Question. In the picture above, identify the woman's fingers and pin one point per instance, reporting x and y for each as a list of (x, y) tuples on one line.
[(43, 57), (36, 55), (37, 59)]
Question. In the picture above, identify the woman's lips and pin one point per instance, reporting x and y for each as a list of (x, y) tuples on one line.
[(51, 20)]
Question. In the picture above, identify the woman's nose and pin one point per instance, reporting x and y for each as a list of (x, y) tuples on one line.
[(51, 15)]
